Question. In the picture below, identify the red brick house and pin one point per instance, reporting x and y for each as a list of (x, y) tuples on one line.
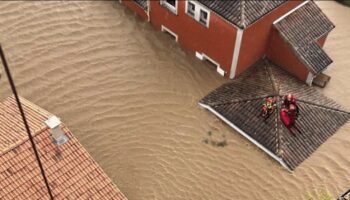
[(233, 35), (70, 170)]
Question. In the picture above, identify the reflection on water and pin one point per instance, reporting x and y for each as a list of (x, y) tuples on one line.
[(130, 95)]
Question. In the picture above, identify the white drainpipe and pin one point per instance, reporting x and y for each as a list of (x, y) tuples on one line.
[(236, 51), (310, 78)]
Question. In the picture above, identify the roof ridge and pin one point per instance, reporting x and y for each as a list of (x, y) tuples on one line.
[(271, 77), (241, 100), (242, 7), (324, 106), (278, 134), (19, 142)]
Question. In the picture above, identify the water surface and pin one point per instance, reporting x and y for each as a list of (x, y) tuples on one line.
[(130, 96)]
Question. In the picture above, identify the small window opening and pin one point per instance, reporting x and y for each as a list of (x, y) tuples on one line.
[(191, 9), (203, 17)]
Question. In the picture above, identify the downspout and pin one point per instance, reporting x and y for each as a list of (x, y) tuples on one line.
[(149, 10), (237, 49), (310, 78), (239, 36)]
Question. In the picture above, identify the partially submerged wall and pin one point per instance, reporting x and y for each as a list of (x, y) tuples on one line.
[(216, 41), (136, 8)]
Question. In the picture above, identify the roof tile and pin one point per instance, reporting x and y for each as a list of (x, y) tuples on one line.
[(301, 29), (320, 117), (242, 13), (67, 167)]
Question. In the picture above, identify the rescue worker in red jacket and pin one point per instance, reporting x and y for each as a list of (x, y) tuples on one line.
[(288, 117), (288, 100)]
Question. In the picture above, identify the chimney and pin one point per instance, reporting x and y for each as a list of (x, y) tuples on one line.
[(57, 134)]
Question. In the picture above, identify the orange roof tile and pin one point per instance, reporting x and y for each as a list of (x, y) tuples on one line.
[(71, 171)]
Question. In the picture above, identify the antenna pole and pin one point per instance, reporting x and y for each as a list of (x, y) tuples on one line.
[(13, 87)]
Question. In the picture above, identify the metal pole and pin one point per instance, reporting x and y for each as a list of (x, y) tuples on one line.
[(13, 87)]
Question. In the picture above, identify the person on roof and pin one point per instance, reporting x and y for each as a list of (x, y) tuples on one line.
[(269, 107), (292, 113), (288, 118), (288, 100)]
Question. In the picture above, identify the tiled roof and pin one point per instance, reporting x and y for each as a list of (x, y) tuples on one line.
[(301, 29), (142, 3), (240, 102), (71, 171), (239, 12)]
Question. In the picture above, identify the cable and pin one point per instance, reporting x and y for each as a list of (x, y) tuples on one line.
[(13, 87)]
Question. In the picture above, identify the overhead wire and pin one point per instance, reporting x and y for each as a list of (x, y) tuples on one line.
[(31, 139)]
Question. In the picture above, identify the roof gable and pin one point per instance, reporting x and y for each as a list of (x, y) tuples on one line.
[(301, 29)]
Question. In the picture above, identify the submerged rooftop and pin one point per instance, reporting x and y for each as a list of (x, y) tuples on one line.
[(72, 173), (239, 104)]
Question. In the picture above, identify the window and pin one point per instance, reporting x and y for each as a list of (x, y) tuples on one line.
[(203, 17), (191, 8), (170, 4), (198, 12)]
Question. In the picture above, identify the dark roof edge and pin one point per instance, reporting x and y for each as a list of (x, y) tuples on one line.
[(308, 66)]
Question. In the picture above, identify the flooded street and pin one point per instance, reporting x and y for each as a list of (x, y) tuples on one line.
[(130, 94)]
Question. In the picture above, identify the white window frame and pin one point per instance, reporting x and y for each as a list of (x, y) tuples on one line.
[(202, 56), (186, 8), (169, 6), (197, 10)]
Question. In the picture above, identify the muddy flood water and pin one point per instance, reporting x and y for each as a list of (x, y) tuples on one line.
[(129, 94)]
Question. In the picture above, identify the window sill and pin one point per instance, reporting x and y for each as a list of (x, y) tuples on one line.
[(203, 24)]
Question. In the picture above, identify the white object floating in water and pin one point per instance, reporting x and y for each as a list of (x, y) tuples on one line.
[(58, 135)]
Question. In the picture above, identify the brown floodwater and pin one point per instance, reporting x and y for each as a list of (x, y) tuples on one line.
[(130, 95)]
